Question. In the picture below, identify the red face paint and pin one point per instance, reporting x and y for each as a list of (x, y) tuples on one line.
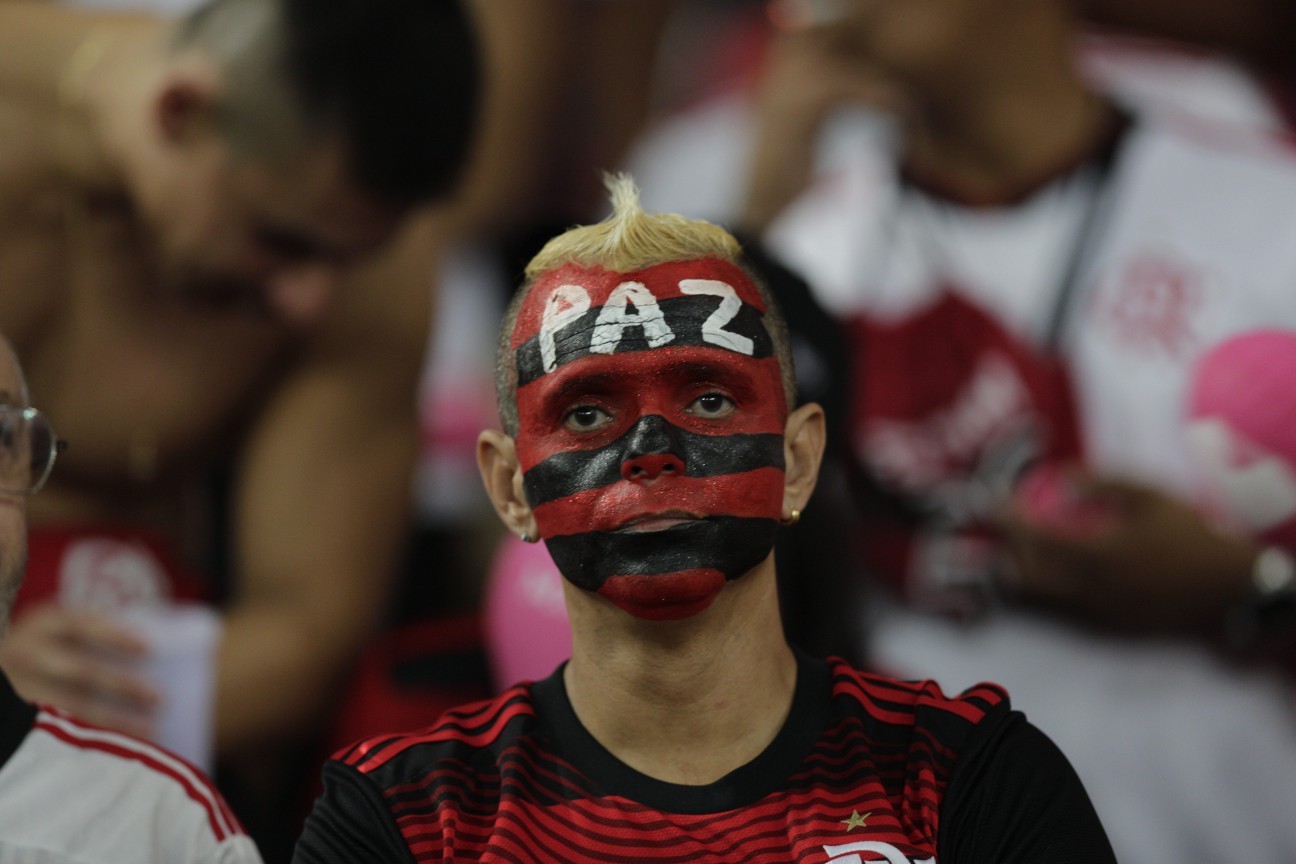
[(651, 413)]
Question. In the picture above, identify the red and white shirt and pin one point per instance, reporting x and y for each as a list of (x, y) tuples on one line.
[(1067, 324), (72, 793)]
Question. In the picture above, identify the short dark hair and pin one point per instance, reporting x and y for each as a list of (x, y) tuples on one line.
[(399, 80)]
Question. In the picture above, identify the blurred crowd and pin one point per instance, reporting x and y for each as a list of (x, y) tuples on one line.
[(1038, 258)]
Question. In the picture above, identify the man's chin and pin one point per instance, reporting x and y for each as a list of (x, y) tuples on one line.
[(291, 306), (217, 293), (664, 596)]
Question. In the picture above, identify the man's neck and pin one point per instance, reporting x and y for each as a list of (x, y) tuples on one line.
[(684, 702), (1000, 139)]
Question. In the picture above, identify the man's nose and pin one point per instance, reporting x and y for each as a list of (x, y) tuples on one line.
[(652, 451), (301, 294)]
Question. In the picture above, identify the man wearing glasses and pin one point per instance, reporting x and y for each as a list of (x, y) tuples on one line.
[(69, 790)]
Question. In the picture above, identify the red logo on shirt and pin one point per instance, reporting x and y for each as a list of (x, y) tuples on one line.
[(1150, 305)]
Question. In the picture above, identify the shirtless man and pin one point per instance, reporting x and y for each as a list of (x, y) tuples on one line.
[(177, 204)]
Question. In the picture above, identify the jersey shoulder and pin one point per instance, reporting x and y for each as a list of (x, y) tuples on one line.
[(472, 733), (1224, 162), (914, 707), (71, 784)]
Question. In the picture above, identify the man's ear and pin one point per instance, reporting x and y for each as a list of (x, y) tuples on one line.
[(803, 447), (502, 475), (184, 104)]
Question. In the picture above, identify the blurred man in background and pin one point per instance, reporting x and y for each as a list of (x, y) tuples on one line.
[(179, 203), (1035, 279)]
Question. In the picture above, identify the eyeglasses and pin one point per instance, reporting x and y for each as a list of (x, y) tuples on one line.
[(28, 448)]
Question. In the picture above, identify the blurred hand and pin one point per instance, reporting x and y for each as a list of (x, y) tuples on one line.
[(808, 75), (80, 662), (1155, 564)]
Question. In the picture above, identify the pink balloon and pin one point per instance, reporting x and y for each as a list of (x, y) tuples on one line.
[(1250, 380), (1242, 431), (527, 634)]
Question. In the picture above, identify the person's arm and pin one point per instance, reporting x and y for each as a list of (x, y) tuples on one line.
[(1146, 562), (321, 503), (808, 76), (1015, 799), (1151, 563), (567, 90), (350, 822)]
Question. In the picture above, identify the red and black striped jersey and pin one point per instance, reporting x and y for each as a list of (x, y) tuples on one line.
[(866, 768)]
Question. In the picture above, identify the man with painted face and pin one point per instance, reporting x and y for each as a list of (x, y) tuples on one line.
[(650, 440)]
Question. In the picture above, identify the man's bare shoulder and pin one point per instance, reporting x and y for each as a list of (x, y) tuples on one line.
[(30, 186), (37, 42), (26, 179), (30, 232)]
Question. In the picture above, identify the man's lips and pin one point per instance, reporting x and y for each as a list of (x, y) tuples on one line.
[(751, 494), (657, 521)]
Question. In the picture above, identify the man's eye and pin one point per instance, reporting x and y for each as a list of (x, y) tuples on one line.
[(712, 405), (585, 417), (289, 245), (9, 431), (9, 439)]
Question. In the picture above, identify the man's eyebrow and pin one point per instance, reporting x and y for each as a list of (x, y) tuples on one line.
[(702, 370), (604, 382), (582, 384)]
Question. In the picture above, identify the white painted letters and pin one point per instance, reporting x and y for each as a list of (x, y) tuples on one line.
[(565, 305), (613, 318), (713, 328), (848, 853), (568, 303)]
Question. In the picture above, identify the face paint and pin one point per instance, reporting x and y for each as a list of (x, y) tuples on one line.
[(651, 413)]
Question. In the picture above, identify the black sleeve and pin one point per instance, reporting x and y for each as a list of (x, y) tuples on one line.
[(825, 358), (820, 348), (1015, 799), (818, 564), (350, 822)]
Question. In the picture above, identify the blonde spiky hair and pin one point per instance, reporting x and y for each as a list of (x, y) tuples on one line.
[(631, 239)]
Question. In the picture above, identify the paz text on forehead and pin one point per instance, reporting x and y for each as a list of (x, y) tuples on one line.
[(709, 312)]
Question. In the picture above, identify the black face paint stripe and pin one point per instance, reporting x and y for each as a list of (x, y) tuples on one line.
[(730, 544), (684, 315), (576, 471)]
